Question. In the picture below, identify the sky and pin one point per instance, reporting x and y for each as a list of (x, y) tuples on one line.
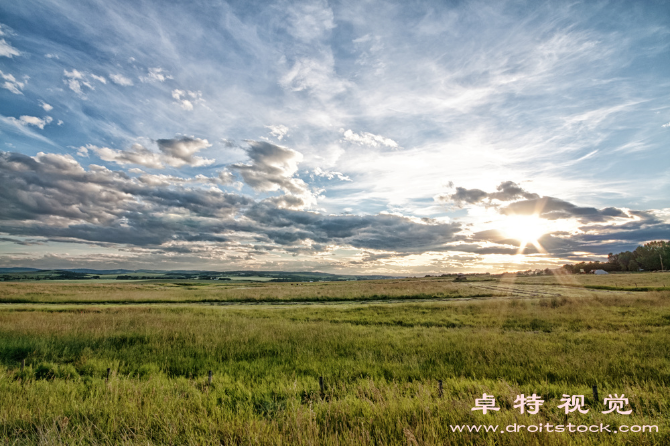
[(355, 137)]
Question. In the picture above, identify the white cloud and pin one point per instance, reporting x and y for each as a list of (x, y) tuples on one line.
[(156, 75), (225, 177), (183, 103), (278, 131), (74, 85), (37, 122), (368, 139), (46, 106), (330, 175), (75, 80), (310, 21), (181, 97), (22, 127), (591, 119), (180, 151), (273, 167), (11, 83), (51, 56), (137, 154), (120, 79), (74, 74), (371, 49), (316, 75), (176, 152), (666, 125), (99, 78), (8, 50)]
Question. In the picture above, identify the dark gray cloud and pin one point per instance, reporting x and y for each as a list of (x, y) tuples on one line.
[(20, 242), (509, 190), (463, 195), (382, 232), (553, 209), (530, 203), (506, 191), (52, 185), (646, 227), (52, 196), (56, 185)]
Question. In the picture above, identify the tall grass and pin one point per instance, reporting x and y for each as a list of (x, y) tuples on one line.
[(380, 365)]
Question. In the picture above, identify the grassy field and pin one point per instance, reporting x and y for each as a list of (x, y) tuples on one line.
[(653, 280), (380, 360), (193, 291)]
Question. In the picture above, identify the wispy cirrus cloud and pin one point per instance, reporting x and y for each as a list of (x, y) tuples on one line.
[(120, 79), (186, 99), (7, 50), (368, 139), (156, 74), (564, 114), (11, 83)]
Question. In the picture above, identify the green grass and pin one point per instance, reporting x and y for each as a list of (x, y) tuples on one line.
[(88, 292), (380, 364), (617, 280)]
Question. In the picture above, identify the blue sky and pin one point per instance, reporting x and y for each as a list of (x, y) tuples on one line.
[(358, 137)]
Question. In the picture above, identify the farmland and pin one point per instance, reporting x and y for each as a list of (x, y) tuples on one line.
[(380, 346)]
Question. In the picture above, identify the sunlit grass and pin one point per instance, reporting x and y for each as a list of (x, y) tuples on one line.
[(214, 292), (380, 364)]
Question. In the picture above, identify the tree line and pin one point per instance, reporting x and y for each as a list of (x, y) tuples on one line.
[(652, 256)]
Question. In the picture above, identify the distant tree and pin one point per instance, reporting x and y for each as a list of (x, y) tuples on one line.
[(652, 255), (624, 259)]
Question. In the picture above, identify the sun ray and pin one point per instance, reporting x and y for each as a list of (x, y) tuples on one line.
[(527, 230)]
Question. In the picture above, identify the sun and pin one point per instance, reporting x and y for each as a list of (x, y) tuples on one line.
[(528, 228), (525, 229)]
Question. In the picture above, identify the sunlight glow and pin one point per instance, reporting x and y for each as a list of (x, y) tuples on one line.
[(525, 229)]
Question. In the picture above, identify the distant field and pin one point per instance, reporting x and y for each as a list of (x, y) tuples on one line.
[(380, 361), (620, 280), (162, 291), (210, 291)]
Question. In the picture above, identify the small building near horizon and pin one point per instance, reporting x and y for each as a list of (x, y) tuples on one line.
[(600, 272)]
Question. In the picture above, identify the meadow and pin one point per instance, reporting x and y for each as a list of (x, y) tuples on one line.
[(380, 347), (194, 291)]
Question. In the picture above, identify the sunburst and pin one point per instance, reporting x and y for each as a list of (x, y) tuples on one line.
[(527, 229)]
